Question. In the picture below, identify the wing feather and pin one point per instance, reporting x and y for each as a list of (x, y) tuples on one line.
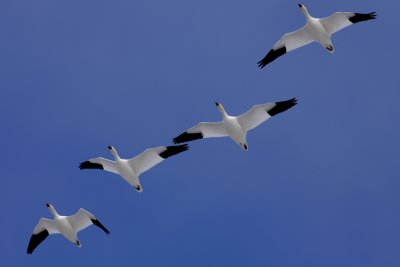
[(340, 20), (42, 230), (153, 156), (202, 130)]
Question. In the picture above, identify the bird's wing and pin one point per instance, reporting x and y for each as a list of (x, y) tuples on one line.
[(287, 43), (153, 156), (340, 20), (260, 113), (83, 219), (202, 130), (99, 163), (42, 230)]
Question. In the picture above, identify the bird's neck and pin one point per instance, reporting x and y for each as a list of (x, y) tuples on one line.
[(306, 14), (115, 154), (223, 112), (54, 212)]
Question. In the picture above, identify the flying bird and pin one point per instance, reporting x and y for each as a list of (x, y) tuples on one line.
[(235, 127), (130, 169), (315, 30), (68, 226)]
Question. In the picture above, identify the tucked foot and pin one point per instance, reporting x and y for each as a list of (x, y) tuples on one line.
[(329, 48), (139, 188)]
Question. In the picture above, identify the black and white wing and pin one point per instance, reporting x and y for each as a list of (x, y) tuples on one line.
[(99, 163), (153, 156), (260, 113), (83, 219), (340, 20), (287, 43), (42, 230), (202, 130)]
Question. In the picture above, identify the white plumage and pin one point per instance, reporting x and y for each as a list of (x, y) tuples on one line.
[(235, 127), (68, 226), (315, 30), (130, 169)]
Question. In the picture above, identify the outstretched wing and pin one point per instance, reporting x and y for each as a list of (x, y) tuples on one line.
[(260, 113), (153, 156), (99, 163), (83, 219), (340, 20), (202, 130), (287, 43), (42, 230)]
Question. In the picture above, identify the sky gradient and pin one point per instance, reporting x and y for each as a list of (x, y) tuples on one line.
[(319, 185)]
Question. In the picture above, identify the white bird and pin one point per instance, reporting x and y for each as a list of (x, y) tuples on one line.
[(68, 226), (315, 30), (235, 127), (130, 169)]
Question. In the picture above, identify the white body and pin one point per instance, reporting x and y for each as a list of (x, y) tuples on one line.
[(234, 129), (66, 229), (317, 32), (127, 172)]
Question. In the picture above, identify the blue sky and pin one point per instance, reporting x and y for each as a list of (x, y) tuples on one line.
[(319, 185)]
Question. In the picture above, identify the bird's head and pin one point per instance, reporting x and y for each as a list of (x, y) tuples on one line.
[(303, 9), (219, 106)]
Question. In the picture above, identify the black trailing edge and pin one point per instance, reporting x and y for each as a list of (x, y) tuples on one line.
[(358, 17), (36, 239), (282, 106), (98, 224), (173, 150), (186, 137), (90, 165), (271, 56)]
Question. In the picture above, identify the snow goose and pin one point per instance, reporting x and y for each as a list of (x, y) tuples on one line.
[(318, 30), (130, 169), (68, 226), (235, 127)]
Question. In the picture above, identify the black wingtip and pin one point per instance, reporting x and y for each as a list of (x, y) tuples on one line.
[(89, 165), (271, 56), (358, 17), (173, 150), (282, 106), (186, 137), (98, 224), (35, 240)]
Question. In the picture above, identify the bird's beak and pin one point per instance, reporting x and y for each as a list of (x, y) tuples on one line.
[(48, 205)]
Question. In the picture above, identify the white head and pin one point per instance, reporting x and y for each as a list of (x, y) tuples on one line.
[(303, 10), (220, 107)]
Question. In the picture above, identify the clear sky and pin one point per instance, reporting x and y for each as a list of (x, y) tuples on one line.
[(319, 186)]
